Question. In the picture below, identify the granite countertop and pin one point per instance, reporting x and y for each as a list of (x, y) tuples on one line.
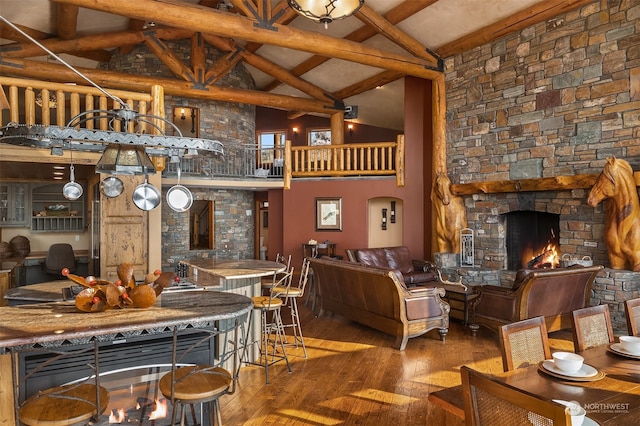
[(236, 269), (55, 323)]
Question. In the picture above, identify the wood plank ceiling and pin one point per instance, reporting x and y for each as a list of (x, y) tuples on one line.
[(297, 64)]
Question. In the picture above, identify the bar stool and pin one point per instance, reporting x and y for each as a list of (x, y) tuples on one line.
[(188, 384), (291, 295), (269, 305), (267, 282), (68, 404)]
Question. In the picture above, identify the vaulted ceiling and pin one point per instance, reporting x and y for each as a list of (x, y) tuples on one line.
[(296, 63)]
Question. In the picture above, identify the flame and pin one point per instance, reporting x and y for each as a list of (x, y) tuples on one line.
[(117, 417), (160, 411), (548, 257)]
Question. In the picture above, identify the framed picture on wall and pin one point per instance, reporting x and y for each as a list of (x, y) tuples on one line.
[(319, 137), (328, 214)]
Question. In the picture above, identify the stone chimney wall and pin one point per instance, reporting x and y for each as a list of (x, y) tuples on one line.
[(555, 99)]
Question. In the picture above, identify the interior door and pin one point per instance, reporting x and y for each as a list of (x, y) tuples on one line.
[(123, 232)]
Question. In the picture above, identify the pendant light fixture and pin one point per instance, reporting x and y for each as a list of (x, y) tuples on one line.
[(326, 11)]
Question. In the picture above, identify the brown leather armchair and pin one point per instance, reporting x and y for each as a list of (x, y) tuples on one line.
[(552, 293)]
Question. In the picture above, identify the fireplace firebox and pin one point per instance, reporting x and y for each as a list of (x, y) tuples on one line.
[(528, 235), (129, 370)]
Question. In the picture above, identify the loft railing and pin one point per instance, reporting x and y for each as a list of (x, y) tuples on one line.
[(45, 103), (354, 159)]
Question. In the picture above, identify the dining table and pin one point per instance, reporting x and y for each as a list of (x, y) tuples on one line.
[(610, 397)]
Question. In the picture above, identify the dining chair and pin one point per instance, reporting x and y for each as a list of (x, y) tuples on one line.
[(591, 327), (632, 312), (291, 294), (272, 331), (488, 402), (188, 384), (524, 343), (79, 401)]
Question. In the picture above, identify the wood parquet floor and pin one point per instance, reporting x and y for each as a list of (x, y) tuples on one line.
[(353, 376)]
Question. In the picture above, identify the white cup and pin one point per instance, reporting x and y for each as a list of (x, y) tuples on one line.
[(576, 412)]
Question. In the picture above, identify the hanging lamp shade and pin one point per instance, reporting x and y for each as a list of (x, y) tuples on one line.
[(119, 159), (326, 11)]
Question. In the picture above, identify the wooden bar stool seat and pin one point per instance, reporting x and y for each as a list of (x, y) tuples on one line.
[(197, 384), (81, 402), (63, 405)]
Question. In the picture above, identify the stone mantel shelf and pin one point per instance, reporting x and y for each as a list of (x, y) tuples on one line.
[(557, 183), (61, 323)]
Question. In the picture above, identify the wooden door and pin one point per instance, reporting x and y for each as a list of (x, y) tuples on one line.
[(123, 232)]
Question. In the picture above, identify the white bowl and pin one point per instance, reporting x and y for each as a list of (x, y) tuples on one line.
[(568, 361), (630, 344)]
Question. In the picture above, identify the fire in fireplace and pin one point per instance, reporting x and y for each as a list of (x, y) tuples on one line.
[(532, 240)]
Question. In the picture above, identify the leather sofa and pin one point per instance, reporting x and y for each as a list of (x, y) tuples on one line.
[(552, 293), (378, 298), (414, 272)]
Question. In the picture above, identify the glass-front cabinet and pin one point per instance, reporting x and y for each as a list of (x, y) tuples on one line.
[(54, 213), (14, 203)]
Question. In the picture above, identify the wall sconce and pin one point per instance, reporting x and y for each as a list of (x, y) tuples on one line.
[(393, 212), (350, 127), (182, 117), (384, 219), (295, 132)]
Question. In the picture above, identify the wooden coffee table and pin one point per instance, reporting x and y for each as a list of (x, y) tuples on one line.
[(458, 299)]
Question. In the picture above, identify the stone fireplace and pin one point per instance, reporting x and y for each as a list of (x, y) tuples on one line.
[(553, 100)]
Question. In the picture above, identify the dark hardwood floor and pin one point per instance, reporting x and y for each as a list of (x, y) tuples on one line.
[(353, 376)]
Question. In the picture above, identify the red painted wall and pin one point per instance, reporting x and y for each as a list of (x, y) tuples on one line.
[(296, 206)]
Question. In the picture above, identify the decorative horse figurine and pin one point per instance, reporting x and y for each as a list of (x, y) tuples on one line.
[(451, 215), (616, 185)]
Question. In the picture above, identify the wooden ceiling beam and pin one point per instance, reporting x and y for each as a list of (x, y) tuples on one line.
[(370, 83), (134, 25), (534, 14), (90, 42), (198, 18), (9, 33), (167, 57), (393, 16), (198, 57), (271, 68), (396, 35), (66, 21), (117, 80)]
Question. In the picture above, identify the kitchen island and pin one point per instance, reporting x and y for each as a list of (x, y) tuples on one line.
[(48, 321)]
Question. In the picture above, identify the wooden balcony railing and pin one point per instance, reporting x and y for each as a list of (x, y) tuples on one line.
[(45, 103), (354, 159)]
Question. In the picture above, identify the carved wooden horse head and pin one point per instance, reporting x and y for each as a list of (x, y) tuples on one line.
[(616, 185), (442, 188)]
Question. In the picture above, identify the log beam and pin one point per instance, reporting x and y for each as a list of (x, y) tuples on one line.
[(198, 18), (167, 57), (393, 16), (139, 83), (533, 14), (393, 33), (67, 21)]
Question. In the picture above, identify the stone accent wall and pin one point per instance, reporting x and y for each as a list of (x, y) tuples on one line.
[(555, 99), (233, 227), (231, 124)]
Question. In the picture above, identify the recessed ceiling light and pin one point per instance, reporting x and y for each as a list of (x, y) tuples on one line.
[(58, 173), (59, 167), (57, 177)]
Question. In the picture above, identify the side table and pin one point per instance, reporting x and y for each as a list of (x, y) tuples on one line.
[(458, 299)]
